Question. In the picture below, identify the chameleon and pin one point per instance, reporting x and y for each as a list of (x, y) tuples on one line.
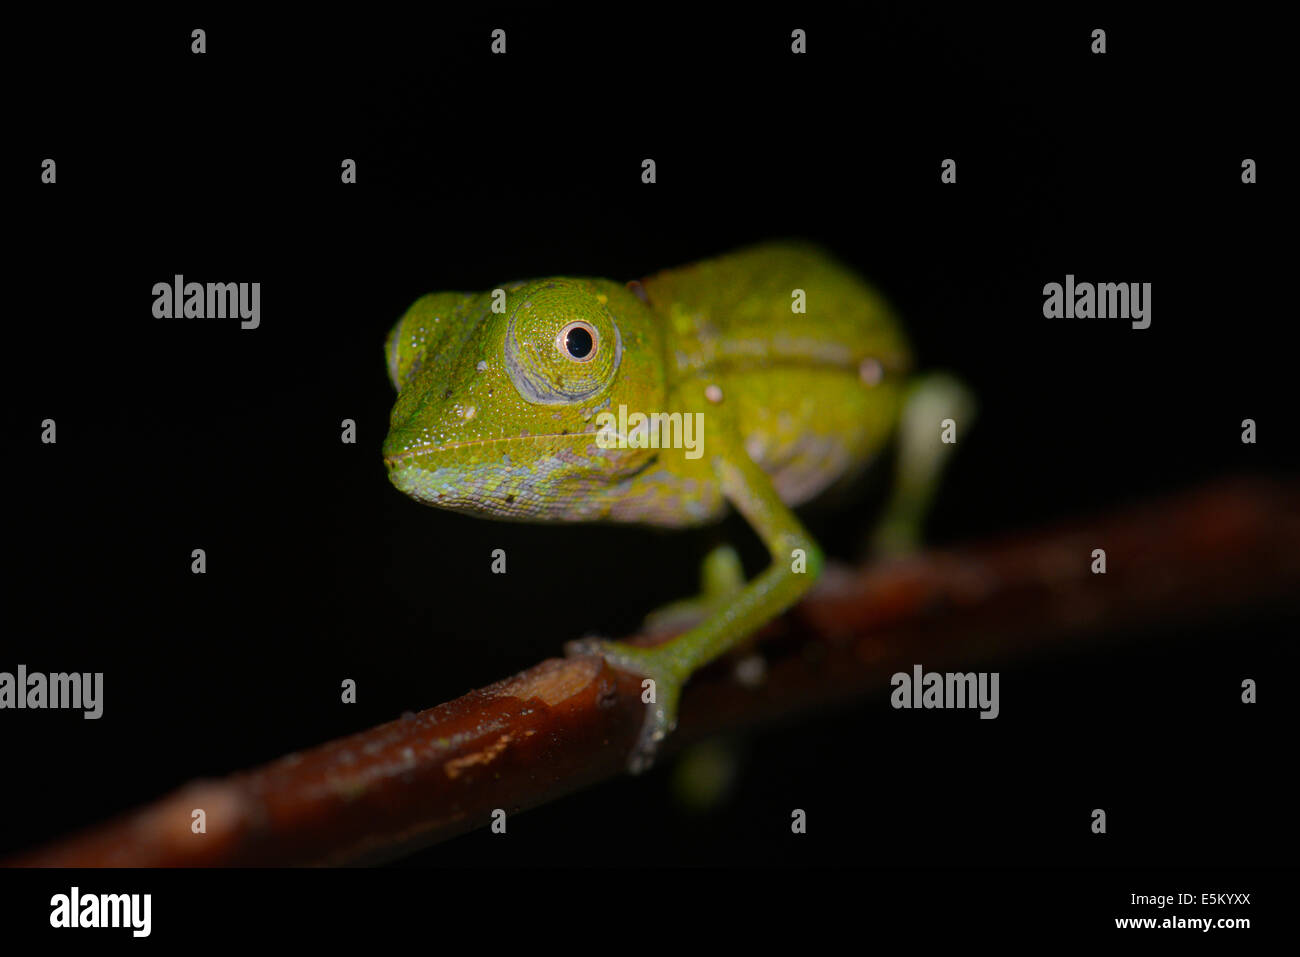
[(572, 399)]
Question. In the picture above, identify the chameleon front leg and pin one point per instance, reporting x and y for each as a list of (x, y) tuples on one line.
[(796, 563)]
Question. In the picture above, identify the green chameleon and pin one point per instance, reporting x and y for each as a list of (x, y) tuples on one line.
[(754, 380)]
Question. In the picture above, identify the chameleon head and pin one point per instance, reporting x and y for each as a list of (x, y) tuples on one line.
[(498, 396)]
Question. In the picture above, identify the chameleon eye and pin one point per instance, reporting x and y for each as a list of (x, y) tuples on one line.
[(578, 340), (562, 344)]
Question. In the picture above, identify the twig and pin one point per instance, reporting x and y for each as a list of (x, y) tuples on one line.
[(567, 723)]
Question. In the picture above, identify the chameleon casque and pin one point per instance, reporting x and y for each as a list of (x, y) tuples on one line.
[(498, 412)]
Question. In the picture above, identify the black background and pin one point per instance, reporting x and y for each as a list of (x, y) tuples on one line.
[(474, 170)]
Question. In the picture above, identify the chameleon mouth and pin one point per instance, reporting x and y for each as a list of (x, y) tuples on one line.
[(401, 459), (400, 453), (414, 455)]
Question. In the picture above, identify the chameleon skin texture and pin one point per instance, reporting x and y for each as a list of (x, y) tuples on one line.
[(497, 413), (467, 435)]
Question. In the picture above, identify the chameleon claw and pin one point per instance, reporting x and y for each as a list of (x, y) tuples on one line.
[(660, 721), (661, 713)]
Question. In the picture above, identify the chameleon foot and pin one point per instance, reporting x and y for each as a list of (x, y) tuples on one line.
[(661, 709), (721, 578)]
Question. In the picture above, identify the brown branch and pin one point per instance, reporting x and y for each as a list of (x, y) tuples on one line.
[(567, 723)]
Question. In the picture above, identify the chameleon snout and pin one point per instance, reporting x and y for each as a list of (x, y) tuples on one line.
[(417, 468), (403, 447)]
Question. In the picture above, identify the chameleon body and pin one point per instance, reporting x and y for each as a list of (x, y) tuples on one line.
[(508, 407)]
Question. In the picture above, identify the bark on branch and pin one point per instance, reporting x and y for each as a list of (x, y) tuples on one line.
[(568, 723)]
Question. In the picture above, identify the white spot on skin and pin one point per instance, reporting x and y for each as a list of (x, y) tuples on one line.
[(713, 393), (751, 671), (870, 371)]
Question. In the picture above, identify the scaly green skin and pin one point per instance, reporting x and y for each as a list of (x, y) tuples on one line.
[(494, 417)]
